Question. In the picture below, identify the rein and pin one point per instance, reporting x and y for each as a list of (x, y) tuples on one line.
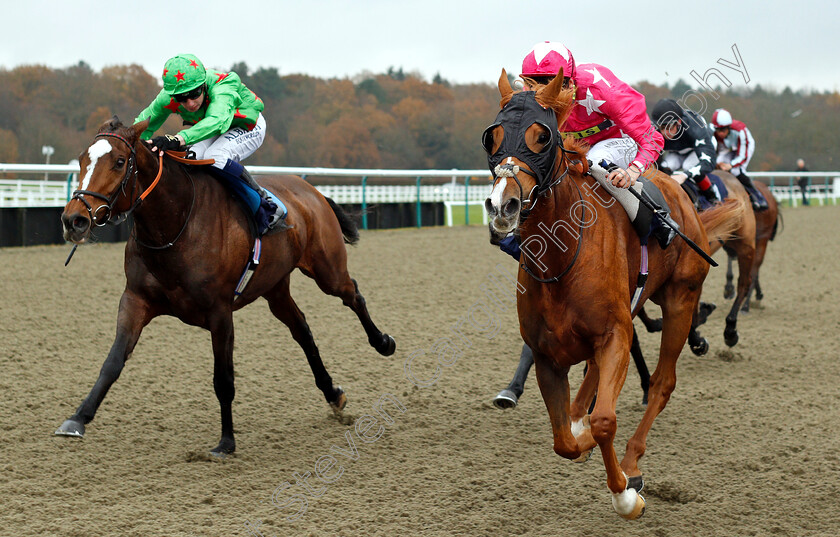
[(131, 172), (566, 270)]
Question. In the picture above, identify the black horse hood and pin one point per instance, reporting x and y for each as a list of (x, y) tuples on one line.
[(521, 112)]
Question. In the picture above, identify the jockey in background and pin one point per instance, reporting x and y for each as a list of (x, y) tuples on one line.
[(224, 122), (612, 117), (689, 149), (735, 149)]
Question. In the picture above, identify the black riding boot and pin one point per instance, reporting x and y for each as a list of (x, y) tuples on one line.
[(757, 200), (277, 221), (645, 221)]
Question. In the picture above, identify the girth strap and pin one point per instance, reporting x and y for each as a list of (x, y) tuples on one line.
[(254, 261)]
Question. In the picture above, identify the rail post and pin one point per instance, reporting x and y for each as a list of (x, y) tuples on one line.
[(364, 202), (419, 216), (467, 201)]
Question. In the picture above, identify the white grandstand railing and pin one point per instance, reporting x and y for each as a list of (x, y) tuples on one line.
[(40, 193), (824, 188)]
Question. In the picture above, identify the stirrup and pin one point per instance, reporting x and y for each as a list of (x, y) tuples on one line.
[(277, 223)]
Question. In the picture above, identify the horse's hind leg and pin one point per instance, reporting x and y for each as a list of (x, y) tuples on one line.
[(134, 314), (641, 366), (283, 307), (746, 253), (729, 288), (333, 279), (221, 333)]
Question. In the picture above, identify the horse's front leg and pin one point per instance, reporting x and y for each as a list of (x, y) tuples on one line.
[(553, 381), (134, 314), (221, 330), (612, 357)]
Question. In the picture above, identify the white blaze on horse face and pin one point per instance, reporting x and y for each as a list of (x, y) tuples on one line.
[(496, 195), (100, 148)]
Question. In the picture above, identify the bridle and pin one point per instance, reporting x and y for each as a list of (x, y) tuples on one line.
[(511, 170), (131, 173)]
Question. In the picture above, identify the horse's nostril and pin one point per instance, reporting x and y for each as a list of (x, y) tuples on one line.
[(511, 208), (488, 206), (80, 224)]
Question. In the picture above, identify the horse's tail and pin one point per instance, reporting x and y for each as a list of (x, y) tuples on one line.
[(722, 220), (779, 220), (348, 227)]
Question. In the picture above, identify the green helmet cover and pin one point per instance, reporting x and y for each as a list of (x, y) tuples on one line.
[(182, 73)]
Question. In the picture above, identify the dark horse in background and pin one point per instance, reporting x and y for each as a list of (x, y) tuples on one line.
[(766, 228), (190, 244), (574, 305)]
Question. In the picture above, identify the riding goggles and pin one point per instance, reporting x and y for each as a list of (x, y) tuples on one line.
[(190, 95)]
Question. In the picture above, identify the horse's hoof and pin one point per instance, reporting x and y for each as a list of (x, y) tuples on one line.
[(505, 400), (701, 348), (71, 428), (629, 504), (706, 308), (584, 456), (341, 401), (645, 398), (226, 447), (730, 337), (729, 291), (636, 482), (386, 346)]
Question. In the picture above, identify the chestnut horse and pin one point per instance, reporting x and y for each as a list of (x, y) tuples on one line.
[(188, 249), (766, 227), (575, 290)]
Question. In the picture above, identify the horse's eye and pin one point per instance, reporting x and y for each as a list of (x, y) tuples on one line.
[(543, 138), (120, 163), (487, 139)]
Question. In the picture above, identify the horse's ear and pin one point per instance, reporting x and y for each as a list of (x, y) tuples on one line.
[(505, 88), (553, 88), (111, 125), (140, 128)]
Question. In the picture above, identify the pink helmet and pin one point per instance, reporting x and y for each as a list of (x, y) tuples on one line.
[(546, 59), (721, 119)]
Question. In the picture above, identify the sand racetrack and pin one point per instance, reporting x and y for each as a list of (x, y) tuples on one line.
[(749, 444)]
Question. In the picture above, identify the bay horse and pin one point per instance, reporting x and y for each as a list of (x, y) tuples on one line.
[(766, 228), (187, 251), (574, 300)]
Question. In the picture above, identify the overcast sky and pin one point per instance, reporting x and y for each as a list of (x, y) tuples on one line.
[(781, 43)]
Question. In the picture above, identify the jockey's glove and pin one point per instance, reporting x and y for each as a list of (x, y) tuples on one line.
[(166, 142)]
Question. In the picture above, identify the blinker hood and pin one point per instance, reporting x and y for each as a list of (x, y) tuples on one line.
[(521, 112)]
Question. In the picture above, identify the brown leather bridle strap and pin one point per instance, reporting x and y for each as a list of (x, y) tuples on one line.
[(181, 157)]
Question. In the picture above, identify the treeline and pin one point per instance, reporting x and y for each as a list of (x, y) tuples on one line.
[(389, 120)]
